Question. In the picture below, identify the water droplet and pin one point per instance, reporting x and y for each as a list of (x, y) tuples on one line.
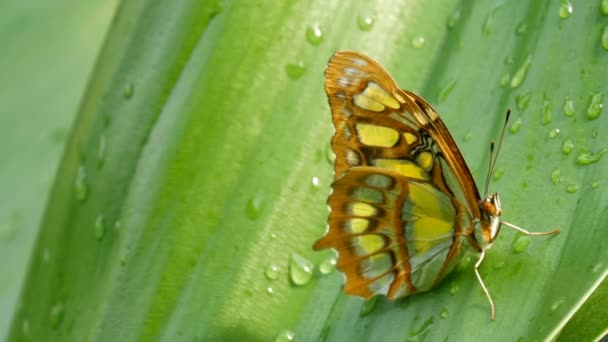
[(554, 133), (515, 126), (365, 22), (445, 91), (521, 28), (300, 269), (595, 185), (454, 288), (605, 38), (587, 157), (285, 336), (368, 306), (100, 227), (444, 313), (499, 173), (295, 70), (505, 79), (571, 188), (468, 137), (565, 9), (419, 334), (604, 7), (254, 207), (520, 243), (418, 42), (56, 315), (26, 331), (81, 188), (595, 106), (328, 265), (569, 107), (557, 304), (556, 177), (486, 29), (523, 101), (8, 230), (128, 92), (269, 290), (272, 272), (314, 34), (594, 132), (315, 182), (101, 151), (546, 112), (454, 18), (520, 74), (567, 147), (46, 256)]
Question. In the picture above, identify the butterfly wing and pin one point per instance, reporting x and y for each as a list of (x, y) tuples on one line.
[(401, 236)]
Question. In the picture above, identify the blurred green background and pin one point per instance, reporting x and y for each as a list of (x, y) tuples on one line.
[(49, 51)]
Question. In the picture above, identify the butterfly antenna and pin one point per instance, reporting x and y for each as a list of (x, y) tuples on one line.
[(485, 190), (494, 157)]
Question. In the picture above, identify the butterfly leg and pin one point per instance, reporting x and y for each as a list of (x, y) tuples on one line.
[(483, 286), (519, 229)]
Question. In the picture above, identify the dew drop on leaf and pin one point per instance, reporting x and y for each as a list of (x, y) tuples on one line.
[(286, 336), (100, 227), (272, 272), (56, 315), (587, 157), (546, 111), (418, 42), (567, 147), (556, 177), (520, 243), (295, 70), (128, 91), (444, 313), (314, 34), (558, 303), (523, 101), (328, 265), (81, 187), (571, 188), (520, 74), (565, 9), (554, 133), (499, 173), (515, 126), (300, 269), (595, 106), (446, 90), (569, 107), (365, 22), (254, 207)]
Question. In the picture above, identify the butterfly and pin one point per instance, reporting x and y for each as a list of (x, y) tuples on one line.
[(404, 204)]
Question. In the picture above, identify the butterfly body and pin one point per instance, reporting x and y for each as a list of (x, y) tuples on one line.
[(404, 203)]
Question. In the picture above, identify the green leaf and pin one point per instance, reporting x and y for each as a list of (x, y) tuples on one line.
[(195, 179), (48, 51)]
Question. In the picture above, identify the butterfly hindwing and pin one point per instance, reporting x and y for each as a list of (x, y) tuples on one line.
[(393, 234)]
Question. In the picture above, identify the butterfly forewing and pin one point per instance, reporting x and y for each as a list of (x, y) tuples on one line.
[(403, 196)]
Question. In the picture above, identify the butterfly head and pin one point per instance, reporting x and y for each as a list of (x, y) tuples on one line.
[(490, 219)]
